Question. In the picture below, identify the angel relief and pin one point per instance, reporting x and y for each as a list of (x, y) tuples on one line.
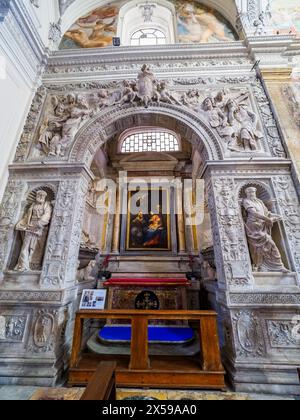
[(234, 121), (61, 124)]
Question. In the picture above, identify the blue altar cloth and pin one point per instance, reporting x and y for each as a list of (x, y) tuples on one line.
[(156, 334)]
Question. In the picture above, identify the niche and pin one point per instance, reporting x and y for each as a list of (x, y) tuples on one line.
[(38, 255)]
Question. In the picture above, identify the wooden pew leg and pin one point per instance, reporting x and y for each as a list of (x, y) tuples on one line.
[(139, 344)]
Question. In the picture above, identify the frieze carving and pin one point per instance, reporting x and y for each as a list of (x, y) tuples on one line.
[(264, 299), (283, 333), (41, 296), (290, 210), (229, 113), (12, 328), (249, 334), (161, 65)]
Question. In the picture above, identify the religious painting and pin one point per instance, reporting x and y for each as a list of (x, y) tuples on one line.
[(285, 16), (148, 222), (94, 30), (199, 24)]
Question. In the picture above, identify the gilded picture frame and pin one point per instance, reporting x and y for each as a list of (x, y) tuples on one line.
[(151, 230)]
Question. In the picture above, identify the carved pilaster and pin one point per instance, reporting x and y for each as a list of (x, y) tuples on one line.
[(231, 251), (9, 212), (61, 258)]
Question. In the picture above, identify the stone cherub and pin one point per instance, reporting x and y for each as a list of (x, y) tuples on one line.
[(259, 223), (32, 226)]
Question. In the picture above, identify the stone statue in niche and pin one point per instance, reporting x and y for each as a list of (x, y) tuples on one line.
[(259, 223), (59, 129), (32, 226)]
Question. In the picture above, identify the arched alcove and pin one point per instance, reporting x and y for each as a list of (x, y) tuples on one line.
[(186, 123)]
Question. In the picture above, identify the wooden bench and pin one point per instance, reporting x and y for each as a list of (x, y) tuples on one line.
[(102, 386), (204, 371)]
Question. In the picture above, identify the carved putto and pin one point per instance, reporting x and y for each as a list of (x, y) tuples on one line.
[(259, 223), (32, 227)]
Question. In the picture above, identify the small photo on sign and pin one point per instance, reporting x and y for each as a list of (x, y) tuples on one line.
[(93, 299)]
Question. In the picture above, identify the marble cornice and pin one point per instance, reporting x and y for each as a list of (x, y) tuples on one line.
[(54, 169), (123, 54), (267, 166)]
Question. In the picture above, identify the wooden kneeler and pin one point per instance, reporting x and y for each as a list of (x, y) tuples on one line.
[(204, 371)]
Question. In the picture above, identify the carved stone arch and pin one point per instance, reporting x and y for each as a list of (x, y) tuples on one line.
[(115, 120)]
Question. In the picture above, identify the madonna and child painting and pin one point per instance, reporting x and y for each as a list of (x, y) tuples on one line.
[(149, 227)]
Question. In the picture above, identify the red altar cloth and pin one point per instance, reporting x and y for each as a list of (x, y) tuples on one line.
[(152, 282)]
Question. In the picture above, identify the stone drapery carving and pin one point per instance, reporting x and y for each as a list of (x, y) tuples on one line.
[(32, 226), (259, 223)]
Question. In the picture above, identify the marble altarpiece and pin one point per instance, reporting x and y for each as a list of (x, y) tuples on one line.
[(229, 122)]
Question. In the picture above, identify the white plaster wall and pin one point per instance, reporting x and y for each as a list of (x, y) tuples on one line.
[(48, 11), (16, 97)]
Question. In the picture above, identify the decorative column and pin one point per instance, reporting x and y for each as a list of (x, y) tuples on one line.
[(180, 217), (117, 225)]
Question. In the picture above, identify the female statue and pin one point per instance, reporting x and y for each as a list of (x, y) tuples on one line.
[(264, 252)]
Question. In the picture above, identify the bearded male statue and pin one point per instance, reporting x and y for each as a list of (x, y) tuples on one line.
[(32, 226)]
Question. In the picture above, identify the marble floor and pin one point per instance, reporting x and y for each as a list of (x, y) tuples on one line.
[(18, 393)]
